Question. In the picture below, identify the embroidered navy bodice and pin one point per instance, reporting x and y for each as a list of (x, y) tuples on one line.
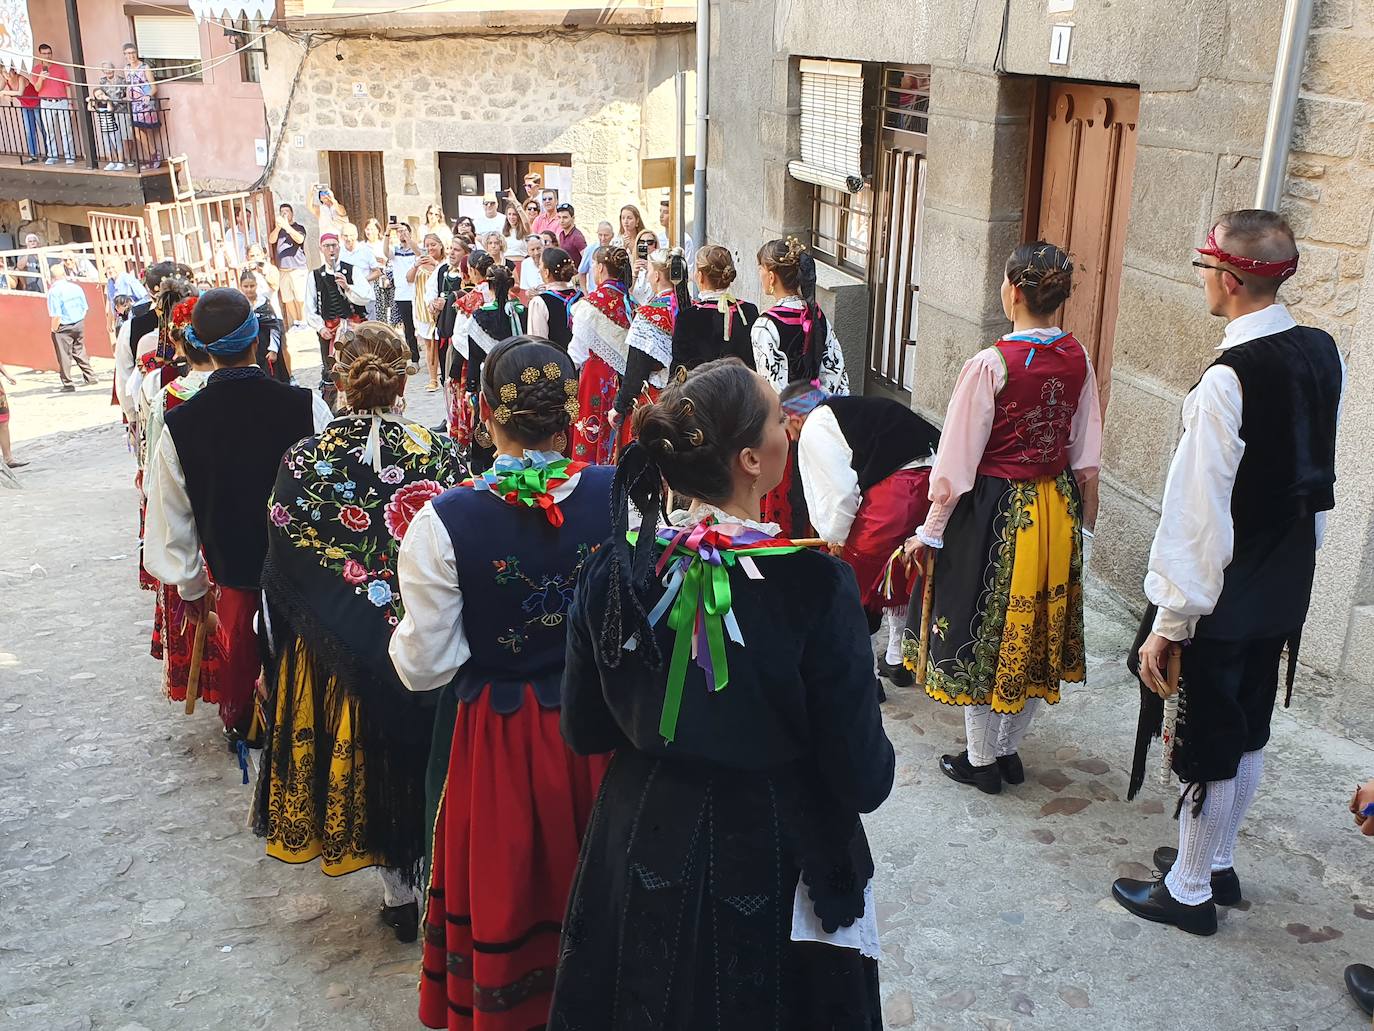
[(517, 573)]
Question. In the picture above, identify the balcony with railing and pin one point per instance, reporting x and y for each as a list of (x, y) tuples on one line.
[(112, 152)]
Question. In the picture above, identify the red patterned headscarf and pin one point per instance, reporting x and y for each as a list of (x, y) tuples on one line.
[(1267, 269)]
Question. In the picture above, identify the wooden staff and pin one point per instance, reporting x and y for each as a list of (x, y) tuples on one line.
[(197, 654), (927, 607)]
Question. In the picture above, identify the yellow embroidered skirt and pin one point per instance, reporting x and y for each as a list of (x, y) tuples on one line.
[(308, 817), (1007, 616)]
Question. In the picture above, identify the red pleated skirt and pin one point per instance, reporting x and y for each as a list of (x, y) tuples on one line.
[(593, 440), (889, 513), (515, 806), (173, 641)]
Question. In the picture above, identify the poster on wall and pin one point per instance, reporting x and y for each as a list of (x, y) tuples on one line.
[(16, 35)]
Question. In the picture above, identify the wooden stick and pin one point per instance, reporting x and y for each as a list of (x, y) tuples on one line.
[(927, 605), (197, 654)]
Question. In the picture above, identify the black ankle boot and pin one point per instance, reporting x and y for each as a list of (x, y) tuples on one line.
[(404, 920), (987, 779), (1012, 770), (1150, 900), (1359, 982)]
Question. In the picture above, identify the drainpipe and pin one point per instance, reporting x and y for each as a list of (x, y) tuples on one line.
[(79, 115), (703, 115), (1283, 102)]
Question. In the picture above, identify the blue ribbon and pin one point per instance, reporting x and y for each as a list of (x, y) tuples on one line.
[(231, 343)]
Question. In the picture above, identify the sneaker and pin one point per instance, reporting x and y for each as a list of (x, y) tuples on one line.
[(118, 166), (71, 161), (50, 161), (110, 166)]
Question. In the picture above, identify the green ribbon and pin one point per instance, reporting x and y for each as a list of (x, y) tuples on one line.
[(527, 484)]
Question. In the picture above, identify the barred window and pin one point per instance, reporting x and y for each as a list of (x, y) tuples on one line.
[(841, 227)]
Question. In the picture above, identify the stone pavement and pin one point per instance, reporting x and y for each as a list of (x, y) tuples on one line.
[(132, 896)]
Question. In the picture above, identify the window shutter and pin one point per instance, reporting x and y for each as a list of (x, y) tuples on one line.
[(174, 36), (832, 119)]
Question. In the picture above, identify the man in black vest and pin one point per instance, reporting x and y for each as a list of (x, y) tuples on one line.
[(210, 482), (864, 465), (328, 309), (1233, 560)]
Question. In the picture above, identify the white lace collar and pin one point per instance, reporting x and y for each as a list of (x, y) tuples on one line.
[(700, 510)]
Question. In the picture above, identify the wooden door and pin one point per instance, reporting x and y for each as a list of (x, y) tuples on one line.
[(358, 181), (1085, 167)]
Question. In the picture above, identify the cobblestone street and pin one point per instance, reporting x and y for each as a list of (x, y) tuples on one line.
[(133, 896)]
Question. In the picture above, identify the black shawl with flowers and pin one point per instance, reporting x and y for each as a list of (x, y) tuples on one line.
[(336, 519)]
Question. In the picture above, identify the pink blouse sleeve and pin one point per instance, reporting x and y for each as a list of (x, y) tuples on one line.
[(1085, 435), (968, 421)]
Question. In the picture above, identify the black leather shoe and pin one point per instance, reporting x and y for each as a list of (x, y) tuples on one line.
[(1151, 900), (1359, 981), (1225, 883), (897, 676), (1012, 770), (987, 779), (404, 920)]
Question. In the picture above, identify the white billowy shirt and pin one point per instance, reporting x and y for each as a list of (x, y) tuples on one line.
[(430, 646), (128, 376), (171, 542), (1195, 541), (771, 360), (831, 486)]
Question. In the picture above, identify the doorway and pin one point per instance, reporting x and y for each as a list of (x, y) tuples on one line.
[(895, 265), (1078, 197), (464, 179), (359, 183)]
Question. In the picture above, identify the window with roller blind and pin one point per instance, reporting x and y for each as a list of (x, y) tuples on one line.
[(170, 44)]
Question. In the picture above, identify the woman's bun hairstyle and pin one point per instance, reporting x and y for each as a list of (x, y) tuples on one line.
[(616, 261), (716, 266), (531, 387), (371, 366), (1044, 275), (559, 263)]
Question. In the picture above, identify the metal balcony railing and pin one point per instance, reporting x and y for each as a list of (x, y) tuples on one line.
[(125, 139)]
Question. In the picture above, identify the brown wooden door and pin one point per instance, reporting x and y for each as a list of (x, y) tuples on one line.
[(1084, 201), (358, 181)]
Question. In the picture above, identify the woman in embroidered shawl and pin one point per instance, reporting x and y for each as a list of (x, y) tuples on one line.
[(488, 571), (1022, 438), (343, 772), (601, 321), (724, 882)]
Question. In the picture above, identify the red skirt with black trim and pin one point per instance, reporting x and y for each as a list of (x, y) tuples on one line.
[(515, 806), (785, 504), (593, 440), (173, 640), (888, 514)]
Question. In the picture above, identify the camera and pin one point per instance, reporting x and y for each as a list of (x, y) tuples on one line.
[(391, 219), (642, 248)]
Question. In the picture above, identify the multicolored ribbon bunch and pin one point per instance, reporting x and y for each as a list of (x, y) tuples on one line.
[(530, 480), (695, 567)]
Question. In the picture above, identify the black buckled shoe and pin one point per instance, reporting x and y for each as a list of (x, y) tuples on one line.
[(1359, 982), (1150, 900), (897, 675), (987, 779), (1012, 770), (1225, 883), (404, 920)]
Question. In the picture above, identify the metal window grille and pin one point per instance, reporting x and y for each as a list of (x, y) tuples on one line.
[(906, 99), (170, 45), (832, 107), (841, 224), (247, 33)]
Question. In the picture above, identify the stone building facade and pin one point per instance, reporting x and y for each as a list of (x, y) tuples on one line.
[(603, 97), (1203, 74)]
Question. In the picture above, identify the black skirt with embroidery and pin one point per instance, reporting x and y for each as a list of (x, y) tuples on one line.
[(681, 911)]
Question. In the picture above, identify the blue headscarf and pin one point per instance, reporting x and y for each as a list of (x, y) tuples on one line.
[(231, 343)]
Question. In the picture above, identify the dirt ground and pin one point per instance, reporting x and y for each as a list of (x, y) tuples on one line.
[(132, 895)]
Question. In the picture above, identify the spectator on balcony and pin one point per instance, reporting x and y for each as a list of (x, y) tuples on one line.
[(18, 85), (143, 105), (68, 306), (287, 240), (32, 264), (105, 102), (51, 83)]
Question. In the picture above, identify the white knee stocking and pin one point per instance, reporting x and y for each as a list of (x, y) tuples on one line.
[(992, 734), (395, 890), (1248, 776), (1199, 840), (895, 622)]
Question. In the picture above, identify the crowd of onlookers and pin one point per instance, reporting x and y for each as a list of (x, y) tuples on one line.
[(122, 101)]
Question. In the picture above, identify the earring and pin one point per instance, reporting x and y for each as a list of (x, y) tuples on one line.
[(560, 441), (482, 435)]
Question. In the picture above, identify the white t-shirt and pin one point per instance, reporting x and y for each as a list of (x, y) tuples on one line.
[(530, 276), (400, 265), (486, 225), (329, 219)]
